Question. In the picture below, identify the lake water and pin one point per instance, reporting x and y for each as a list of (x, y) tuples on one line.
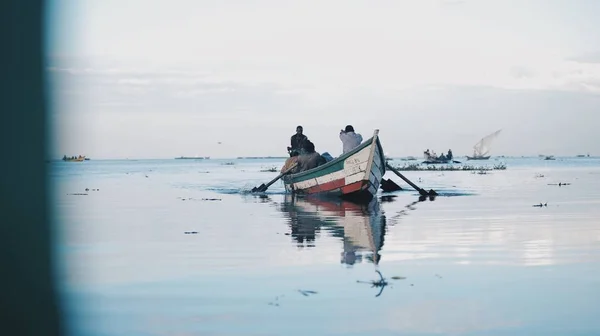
[(173, 247)]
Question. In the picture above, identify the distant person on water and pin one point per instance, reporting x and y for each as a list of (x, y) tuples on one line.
[(297, 141), (310, 158), (350, 139)]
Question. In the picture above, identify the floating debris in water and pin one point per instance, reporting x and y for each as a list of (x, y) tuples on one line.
[(276, 303), (398, 278), (381, 283), (204, 199), (191, 232), (306, 292), (418, 167), (78, 194), (560, 184), (540, 205)]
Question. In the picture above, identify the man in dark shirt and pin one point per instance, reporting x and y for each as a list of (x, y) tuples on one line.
[(297, 141)]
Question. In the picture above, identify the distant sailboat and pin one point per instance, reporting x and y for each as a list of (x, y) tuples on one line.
[(482, 148)]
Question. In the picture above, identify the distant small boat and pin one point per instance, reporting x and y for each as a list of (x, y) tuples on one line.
[(549, 157), (482, 148), (79, 158), (192, 158)]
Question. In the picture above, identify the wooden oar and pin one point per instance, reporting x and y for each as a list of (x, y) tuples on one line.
[(421, 191), (264, 187)]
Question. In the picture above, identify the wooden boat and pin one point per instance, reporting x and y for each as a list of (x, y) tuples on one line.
[(355, 175)]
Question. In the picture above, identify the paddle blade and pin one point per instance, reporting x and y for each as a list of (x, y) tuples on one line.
[(389, 185), (260, 188)]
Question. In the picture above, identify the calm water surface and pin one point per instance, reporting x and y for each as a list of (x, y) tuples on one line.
[(174, 247)]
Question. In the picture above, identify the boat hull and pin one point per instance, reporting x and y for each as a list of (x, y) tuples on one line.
[(478, 157), (354, 176)]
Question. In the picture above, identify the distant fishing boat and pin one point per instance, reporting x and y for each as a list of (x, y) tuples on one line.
[(192, 158), (355, 175), (482, 148), (79, 158)]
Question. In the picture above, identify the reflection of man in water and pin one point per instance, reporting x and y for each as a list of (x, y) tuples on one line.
[(303, 228), (303, 231), (350, 255)]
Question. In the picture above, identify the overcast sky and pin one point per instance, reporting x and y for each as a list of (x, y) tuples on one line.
[(164, 78)]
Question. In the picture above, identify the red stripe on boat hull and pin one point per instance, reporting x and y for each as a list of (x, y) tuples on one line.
[(338, 186)]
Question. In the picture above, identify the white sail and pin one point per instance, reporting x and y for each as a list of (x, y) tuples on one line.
[(482, 148)]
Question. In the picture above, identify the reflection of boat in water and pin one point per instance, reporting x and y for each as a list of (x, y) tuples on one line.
[(360, 226)]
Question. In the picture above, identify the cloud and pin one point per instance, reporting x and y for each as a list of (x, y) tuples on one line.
[(452, 2), (530, 100), (590, 57)]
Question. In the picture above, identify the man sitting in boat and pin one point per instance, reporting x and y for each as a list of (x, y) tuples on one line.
[(350, 140), (290, 161), (309, 159), (297, 141)]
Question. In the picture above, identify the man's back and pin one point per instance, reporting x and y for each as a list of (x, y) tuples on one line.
[(309, 161), (350, 140)]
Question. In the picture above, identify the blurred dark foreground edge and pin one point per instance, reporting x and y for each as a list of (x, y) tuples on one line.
[(28, 301)]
